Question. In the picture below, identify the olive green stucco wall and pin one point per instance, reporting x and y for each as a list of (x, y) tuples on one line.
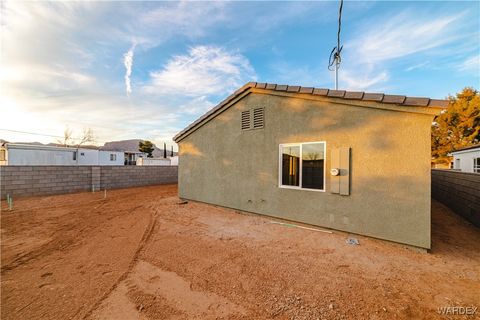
[(390, 165)]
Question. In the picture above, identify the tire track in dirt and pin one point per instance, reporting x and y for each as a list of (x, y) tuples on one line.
[(56, 244), (146, 236)]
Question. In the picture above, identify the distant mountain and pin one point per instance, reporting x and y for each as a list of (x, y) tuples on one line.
[(31, 143), (132, 145)]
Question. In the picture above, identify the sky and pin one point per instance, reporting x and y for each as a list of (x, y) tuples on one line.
[(147, 69)]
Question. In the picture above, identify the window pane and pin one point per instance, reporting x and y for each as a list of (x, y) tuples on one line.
[(290, 165), (312, 165)]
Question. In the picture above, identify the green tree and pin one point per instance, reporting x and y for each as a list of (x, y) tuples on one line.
[(146, 147), (458, 126)]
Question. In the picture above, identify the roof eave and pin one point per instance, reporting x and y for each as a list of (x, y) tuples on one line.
[(430, 106)]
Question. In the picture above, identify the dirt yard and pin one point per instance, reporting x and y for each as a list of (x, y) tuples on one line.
[(140, 254)]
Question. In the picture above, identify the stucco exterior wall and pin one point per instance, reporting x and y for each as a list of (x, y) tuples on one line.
[(390, 166)]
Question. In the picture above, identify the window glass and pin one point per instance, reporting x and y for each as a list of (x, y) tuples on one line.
[(74, 155), (312, 165), (290, 165), (476, 165)]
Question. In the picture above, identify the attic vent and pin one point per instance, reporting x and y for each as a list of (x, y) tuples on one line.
[(253, 119), (258, 118), (246, 120)]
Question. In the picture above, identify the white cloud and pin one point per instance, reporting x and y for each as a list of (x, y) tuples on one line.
[(128, 63), (402, 35), (205, 70), (471, 64), (362, 81), (406, 37), (416, 66), (196, 106)]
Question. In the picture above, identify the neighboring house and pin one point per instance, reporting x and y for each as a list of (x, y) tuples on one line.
[(131, 157), (131, 148), (352, 161), (467, 159), (25, 154), (109, 157)]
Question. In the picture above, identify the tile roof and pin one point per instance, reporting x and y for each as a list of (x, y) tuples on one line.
[(342, 94), (475, 146)]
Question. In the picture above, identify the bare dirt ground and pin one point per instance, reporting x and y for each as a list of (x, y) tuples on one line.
[(139, 254)]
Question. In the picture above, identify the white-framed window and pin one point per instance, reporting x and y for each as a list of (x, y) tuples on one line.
[(302, 166), (476, 165), (113, 157), (457, 164), (74, 157)]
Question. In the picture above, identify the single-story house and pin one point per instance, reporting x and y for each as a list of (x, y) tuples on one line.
[(467, 159), (20, 154), (352, 161), (131, 157)]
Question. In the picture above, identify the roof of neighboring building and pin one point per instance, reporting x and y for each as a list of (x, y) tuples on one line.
[(43, 147), (398, 100), (477, 146), (131, 146)]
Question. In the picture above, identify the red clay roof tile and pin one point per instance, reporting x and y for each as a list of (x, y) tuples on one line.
[(336, 93), (354, 95), (389, 98), (413, 101), (320, 92), (293, 88), (306, 89)]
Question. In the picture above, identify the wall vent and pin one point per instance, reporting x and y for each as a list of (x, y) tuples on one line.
[(246, 123), (258, 118)]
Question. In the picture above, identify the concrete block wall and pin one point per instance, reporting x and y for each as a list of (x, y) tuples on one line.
[(460, 191), (134, 176), (20, 181)]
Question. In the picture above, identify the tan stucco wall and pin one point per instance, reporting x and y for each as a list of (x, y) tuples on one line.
[(390, 169)]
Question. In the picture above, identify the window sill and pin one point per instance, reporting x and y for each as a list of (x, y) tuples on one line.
[(298, 188)]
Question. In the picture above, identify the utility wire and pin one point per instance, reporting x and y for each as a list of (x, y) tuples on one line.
[(41, 134), (32, 133), (335, 59)]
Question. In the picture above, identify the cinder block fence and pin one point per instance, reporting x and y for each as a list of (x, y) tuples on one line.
[(460, 191), (47, 180)]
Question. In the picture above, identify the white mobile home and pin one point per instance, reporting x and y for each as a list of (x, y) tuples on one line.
[(17, 154), (467, 159), (110, 158)]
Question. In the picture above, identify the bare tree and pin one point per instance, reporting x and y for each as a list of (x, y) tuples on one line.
[(87, 137), (67, 137)]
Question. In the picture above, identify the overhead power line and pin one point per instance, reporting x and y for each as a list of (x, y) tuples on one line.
[(335, 59), (32, 133), (41, 134)]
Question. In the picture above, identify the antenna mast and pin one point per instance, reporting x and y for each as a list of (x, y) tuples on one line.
[(334, 60)]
